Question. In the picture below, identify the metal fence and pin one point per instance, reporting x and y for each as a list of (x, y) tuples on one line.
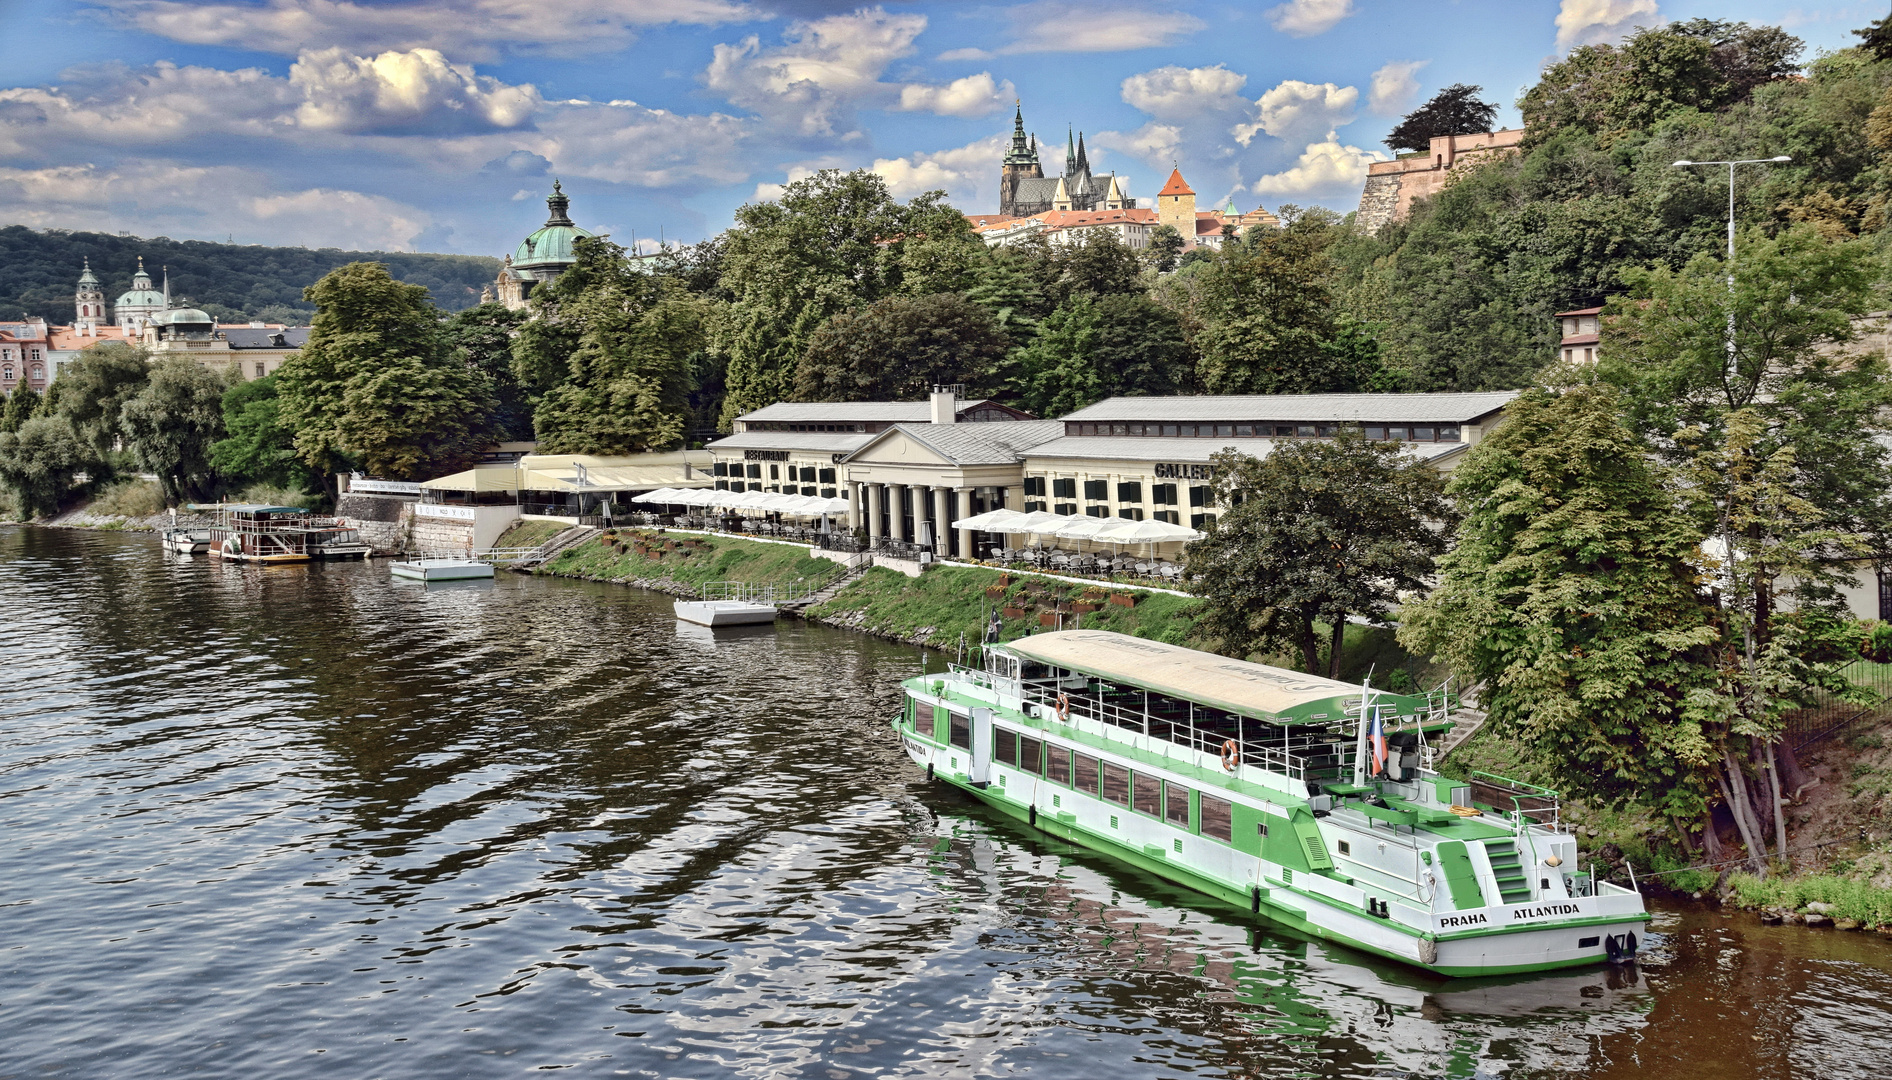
[(1831, 714)]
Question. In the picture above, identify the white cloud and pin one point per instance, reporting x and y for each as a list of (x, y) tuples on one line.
[(954, 55), (1298, 112), (1305, 18), (974, 95), (154, 198), (624, 143), (1325, 169), (117, 106), (1171, 93), (825, 68), (403, 91), (961, 172), (1590, 22), (1156, 145), (478, 29), (1069, 26), (1394, 87)]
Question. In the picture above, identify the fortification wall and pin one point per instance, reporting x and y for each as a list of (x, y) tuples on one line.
[(382, 520)]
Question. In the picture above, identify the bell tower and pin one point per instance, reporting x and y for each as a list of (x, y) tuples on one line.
[(1021, 161), (88, 301)]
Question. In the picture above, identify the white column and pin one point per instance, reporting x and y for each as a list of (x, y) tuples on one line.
[(942, 519), (965, 511), (854, 512), (876, 498), (896, 512)]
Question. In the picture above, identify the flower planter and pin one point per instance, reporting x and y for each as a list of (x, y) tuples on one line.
[(1083, 607), (1005, 580), (1123, 600), (994, 592), (1047, 618), (1012, 612)]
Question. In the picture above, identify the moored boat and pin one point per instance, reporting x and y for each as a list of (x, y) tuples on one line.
[(724, 612), (186, 541), (1308, 801), (441, 569)]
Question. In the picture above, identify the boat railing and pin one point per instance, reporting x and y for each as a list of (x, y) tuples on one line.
[(1294, 758), (1523, 802), (749, 593)]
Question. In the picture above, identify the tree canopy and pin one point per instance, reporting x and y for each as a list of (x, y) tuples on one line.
[(897, 348), (1455, 110), (171, 424)]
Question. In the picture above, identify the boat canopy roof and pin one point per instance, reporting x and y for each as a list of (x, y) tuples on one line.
[(263, 508), (1237, 686)]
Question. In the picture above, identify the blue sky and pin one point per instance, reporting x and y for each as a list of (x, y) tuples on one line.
[(437, 125)]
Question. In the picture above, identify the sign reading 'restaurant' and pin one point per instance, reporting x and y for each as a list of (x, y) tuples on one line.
[(765, 455), (1168, 471)]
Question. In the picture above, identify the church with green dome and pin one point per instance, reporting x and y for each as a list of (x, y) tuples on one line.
[(540, 257)]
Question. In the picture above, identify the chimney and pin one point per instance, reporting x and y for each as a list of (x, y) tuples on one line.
[(945, 404)]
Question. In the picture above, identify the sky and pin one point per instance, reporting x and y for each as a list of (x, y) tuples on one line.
[(439, 125)]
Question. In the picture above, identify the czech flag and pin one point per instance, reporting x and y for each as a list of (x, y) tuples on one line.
[(1377, 736)]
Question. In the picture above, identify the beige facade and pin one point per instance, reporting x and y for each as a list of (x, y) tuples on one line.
[(1391, 186)]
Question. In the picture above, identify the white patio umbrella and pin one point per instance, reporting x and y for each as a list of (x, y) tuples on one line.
[(1153, 531), (661, 495), (998, 520), (1085, 528)]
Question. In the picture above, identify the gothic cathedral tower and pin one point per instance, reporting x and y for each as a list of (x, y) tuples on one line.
[(89, 301), (1021, 161)]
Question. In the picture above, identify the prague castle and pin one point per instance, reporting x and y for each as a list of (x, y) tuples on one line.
[(1024, 189)]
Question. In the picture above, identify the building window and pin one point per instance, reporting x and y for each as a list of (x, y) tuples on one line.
[(1170, 516), (1421, 434), (1033, 507), (1064, 509), (775, 472), (38, 372), (1201, 495), (1448, 433), (36, 353), (1035, 485), (1376, 432), (826, 476), (755, 472), (829, 493), (722, 468), (1096, 490), (1201, 521), (6, 373), (1064, 487), (1096, 510), (1130, 491), (1170, 430), (1176, 804), (1216, 818), (1163, 494), (259, 369), (1244, 431), (1134, 513)]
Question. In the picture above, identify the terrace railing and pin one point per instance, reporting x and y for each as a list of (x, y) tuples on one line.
[(1520, 801)]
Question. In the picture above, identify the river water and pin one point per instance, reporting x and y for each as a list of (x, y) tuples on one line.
[(306, 822)]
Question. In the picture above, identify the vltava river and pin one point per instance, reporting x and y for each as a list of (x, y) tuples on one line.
[(306, 822)]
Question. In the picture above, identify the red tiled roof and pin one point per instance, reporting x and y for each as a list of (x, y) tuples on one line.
[(1177, 185), (66, 337), (989, 219), (1208, 223), (1064, 219), (1581, 339), (1581, 311)]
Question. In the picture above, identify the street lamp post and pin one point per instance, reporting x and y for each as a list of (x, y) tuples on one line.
[(1731, 165)]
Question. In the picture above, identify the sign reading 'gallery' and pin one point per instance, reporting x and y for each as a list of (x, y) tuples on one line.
[(1168, 471)]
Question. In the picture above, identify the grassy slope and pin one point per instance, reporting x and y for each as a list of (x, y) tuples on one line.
[(529, 533), (720, 559)]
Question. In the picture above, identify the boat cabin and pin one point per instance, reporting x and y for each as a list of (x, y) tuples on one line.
[(250, 532)]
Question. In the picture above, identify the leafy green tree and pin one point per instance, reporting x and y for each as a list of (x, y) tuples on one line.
[(43, 462), (1097, 264), (1613, 90), (172, 423), (93, 388), (1164, 249), (258, 448), (613, 354), (1318, 532), (831, 242), (1120, 345), (1013, 295), (1455, 110), (481, 338), (23, 404), (898, 348), (1573, 597), (375, 385), (1265, 313), (1876, 38)]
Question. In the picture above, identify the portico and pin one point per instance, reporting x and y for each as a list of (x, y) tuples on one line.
[(910, 482)]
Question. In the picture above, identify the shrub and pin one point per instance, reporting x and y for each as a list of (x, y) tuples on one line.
[(129, 498)]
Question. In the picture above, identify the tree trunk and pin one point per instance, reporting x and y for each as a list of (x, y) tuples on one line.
[(1711, 837), (1734, 790), (1310, 649), (1333, 648), (1780, 812), (1792, 776), (1681, 832)]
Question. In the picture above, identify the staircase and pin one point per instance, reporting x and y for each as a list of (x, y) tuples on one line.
[(1508, 868), (1465, 723), (527, 558), (854, 568)]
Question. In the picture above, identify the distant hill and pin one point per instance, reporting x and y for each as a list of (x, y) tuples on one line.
[(233, 282)]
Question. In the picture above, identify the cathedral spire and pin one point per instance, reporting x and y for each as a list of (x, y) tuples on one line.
[(1023, 151), (1083, 164), (1070, 153)]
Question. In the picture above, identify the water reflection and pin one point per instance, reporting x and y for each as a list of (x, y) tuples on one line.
[(301, 821)]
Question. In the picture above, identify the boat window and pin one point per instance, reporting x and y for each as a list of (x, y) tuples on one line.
[(1216, 817), (1058, 763), (1007, 751), (962, 731), (1084, 767), (1146, 795), (1036, 671), (1028, 757), (1117, 784), (1176, 804), (1345, 848)]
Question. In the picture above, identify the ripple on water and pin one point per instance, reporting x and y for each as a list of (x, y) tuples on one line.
[(305, 822)]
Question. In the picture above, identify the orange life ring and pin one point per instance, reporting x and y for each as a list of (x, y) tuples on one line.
[(1231, 755), (1064, 708)]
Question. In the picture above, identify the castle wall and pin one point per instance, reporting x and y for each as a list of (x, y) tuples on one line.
[(1391, 186)]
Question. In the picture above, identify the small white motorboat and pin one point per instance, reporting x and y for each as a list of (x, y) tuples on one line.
[(725, 612), (187, 541), (441, 569)]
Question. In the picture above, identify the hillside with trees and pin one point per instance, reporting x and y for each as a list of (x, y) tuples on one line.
[(233, 282)]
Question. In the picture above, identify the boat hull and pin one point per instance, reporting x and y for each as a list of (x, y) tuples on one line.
[(1503, 950), (724, 612), (441, 570)]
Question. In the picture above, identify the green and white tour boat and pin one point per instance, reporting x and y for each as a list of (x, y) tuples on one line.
[(1309, 801)]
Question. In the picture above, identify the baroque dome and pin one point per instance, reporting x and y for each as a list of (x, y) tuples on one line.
[(548, 252)]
